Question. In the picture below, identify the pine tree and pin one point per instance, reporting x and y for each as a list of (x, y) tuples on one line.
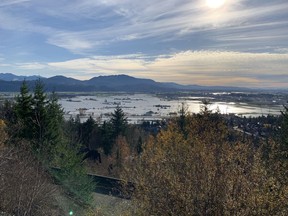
[(39, 116), (112, 129), (23, 110), (65, 151), (139, 145), (42, 123), (54, 126), (119, 122), (72, 174), (183, 112), (106, 138), (86, 131)]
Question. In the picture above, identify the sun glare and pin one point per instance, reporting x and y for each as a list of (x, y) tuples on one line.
[(215, 3)]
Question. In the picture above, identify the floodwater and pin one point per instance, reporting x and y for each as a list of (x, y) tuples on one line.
[(139, 107)]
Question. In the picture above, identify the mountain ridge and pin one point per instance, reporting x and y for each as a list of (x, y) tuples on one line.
[(111, 83), (13, 77)]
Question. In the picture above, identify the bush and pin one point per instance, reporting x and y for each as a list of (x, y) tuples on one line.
[(25, 188)]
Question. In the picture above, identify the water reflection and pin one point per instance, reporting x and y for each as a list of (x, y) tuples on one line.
[(141, 106)]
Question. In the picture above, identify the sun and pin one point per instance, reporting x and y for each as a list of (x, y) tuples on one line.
[(215, 3)]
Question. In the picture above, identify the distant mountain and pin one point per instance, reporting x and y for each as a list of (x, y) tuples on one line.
[(113, 83), (178, 86), (62, 80), (9, 86), (125, 83), (13, 77), (118, 80)]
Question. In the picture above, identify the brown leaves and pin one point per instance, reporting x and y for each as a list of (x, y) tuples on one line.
[(25, 189)]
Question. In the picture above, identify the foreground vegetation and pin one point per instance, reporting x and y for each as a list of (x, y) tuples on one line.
[(194, 165), (33, 142), (196, 169)]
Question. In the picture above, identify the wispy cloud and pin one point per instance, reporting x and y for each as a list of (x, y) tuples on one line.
[(239, 43), (17, 23), (72, 42), (11, 2), (172, 20), (31, 66), (108, 22)]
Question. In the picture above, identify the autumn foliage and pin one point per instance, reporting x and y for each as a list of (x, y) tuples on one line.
[(202, 172), (3, 134)]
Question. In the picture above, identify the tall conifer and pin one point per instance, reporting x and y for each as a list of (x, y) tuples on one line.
[(23, 110)]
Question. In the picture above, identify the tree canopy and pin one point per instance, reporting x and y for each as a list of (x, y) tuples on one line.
[(203, 173)]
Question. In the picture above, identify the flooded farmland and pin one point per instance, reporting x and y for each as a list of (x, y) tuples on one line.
[(139, 107)]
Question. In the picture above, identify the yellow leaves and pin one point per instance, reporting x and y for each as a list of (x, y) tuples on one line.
[(120, 156), (3, 134), (2, 124), (202, 173)]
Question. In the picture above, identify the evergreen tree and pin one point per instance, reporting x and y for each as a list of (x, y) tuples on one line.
[(72, 130), (139, 145), (112, 129), (23, 110), (119, 122), (54, 128), (72, 174), (65, 148), (183, 112), (39, 116), (86, 131), (42, 123), (107, 140)]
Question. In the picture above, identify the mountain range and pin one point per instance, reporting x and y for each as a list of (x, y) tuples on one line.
[(115, 83)]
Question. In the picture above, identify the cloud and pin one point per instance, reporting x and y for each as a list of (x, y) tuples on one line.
[(17, 23), (102, 65), (198, 67), (11, 2), (5, 65), (89, 26), (234, 25), (282, 50), (71, 42), (31, 66), (243, 42)]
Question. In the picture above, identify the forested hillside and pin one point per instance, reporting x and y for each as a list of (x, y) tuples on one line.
[(192, 164)]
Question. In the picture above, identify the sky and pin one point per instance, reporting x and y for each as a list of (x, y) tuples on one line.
[(222, 42)]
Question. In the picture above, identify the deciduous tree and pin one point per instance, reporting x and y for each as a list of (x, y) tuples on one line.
[(204, 174)]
